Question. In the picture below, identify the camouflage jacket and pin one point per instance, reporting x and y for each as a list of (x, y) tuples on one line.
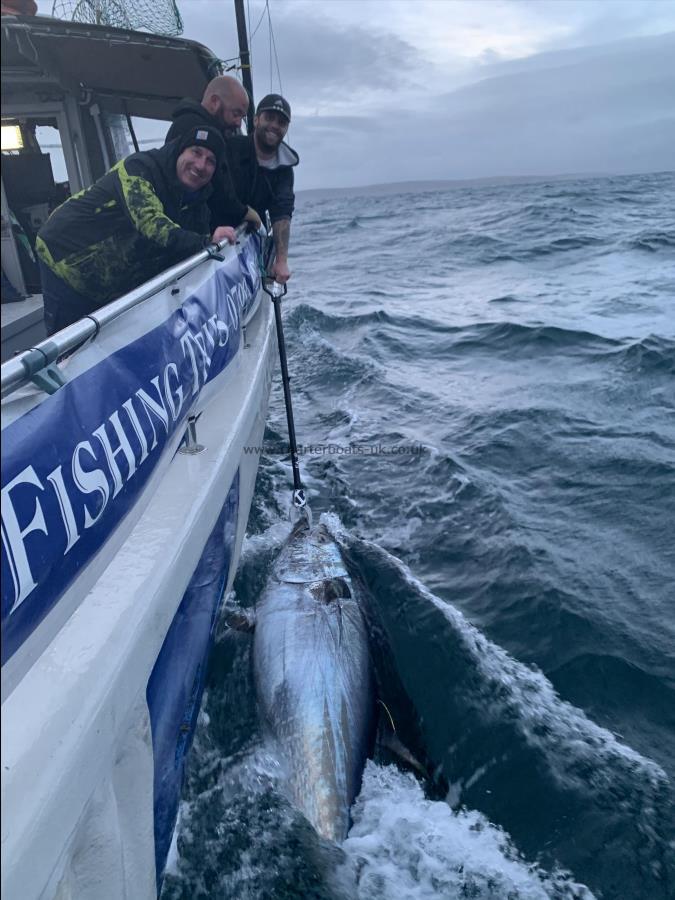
[(133, 223)]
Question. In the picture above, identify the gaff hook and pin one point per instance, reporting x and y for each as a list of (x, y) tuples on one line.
[(276, 291)]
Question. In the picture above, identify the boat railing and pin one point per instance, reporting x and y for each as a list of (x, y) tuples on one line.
[(22, 368)]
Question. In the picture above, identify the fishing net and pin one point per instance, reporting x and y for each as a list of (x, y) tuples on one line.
[(157, 16)]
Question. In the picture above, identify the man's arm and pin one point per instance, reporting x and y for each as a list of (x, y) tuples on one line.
[(281, 229), (281, 208)]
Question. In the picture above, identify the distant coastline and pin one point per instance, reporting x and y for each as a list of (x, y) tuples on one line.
[(404, 187)]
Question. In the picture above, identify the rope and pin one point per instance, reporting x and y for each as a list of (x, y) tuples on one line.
[(388, 713), (276, 57), (269, 33), (248, 32), (255, 30), (272, 45)]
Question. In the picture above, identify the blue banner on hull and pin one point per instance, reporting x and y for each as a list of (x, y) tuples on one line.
[(177, 681), (75, 465)]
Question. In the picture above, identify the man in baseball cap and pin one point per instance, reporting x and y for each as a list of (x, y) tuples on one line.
[(262, 166), (275, 103)]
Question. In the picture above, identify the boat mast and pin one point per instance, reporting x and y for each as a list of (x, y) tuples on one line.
[(245, 61)]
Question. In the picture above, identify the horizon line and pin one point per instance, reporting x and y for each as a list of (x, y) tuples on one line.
[(480, 179)]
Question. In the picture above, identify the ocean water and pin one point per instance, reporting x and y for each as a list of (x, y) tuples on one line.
[(484, 385)]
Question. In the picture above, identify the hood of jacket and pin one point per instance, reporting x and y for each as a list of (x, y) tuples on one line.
[(287, 155), (196, 114), (243, 146)]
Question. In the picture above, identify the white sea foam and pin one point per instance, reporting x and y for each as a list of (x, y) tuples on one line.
[(405, 847), (334, 525), (271, 538)]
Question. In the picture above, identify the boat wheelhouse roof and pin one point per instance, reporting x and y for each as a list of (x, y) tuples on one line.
[(131, 72)]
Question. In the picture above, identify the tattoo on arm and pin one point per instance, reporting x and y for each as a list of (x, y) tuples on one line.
[(282, 234)]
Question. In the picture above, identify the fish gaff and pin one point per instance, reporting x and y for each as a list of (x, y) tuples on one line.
[(299, 507)]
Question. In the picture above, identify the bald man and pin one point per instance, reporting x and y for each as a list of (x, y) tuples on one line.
[(223, 106)]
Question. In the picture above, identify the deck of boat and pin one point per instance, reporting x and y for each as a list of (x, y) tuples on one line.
[(22, 325)]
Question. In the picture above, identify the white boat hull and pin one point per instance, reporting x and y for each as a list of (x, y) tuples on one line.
[(100, 697)]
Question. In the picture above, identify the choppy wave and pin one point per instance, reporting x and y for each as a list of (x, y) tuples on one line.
[(488, 334), (540, 338), (650, 354), (487, 250), (652, 241), (507, 298)]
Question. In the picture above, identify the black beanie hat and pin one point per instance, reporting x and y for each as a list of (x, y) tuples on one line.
[(204, 136)]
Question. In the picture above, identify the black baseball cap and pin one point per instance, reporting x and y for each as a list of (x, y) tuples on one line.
[(274, 103)]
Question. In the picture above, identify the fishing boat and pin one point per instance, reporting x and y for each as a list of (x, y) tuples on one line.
[(128, 472)]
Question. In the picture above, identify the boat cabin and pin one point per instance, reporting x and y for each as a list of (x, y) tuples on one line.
[(72, 94)]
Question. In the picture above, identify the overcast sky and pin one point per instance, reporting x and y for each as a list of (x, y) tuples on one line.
[(393, 90)]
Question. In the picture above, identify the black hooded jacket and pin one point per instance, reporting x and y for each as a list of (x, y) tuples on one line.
[(225, 201), (130, 225), (258, 186)]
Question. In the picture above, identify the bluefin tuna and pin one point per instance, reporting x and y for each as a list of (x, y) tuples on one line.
[(313, 677)]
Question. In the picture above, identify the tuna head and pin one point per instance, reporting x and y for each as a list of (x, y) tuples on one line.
[(313, 677)]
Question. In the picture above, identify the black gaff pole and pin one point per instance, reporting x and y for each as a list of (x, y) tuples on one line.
[(245, 59), (299, 498)]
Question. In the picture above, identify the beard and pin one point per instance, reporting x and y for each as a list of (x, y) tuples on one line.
[(268, 142)]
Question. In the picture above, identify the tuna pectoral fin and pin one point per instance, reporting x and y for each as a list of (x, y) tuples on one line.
[(237, 617), (388, 741)]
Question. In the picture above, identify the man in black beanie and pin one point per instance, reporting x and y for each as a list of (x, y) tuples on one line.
[(147, 213)]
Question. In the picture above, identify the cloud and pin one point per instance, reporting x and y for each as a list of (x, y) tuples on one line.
[(327, 57), (608, 110), (324, 61), (592, 23)]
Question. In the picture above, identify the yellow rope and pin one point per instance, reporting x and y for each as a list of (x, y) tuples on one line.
[(388, 713)]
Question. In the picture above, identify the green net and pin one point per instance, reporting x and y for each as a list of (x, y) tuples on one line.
[(157, 16)]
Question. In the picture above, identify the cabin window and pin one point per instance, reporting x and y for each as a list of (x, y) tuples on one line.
[(150, 133), (35, 181), (119, 134)]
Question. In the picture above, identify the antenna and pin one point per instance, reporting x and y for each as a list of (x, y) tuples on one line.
[(156, 16), (245, 61)]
